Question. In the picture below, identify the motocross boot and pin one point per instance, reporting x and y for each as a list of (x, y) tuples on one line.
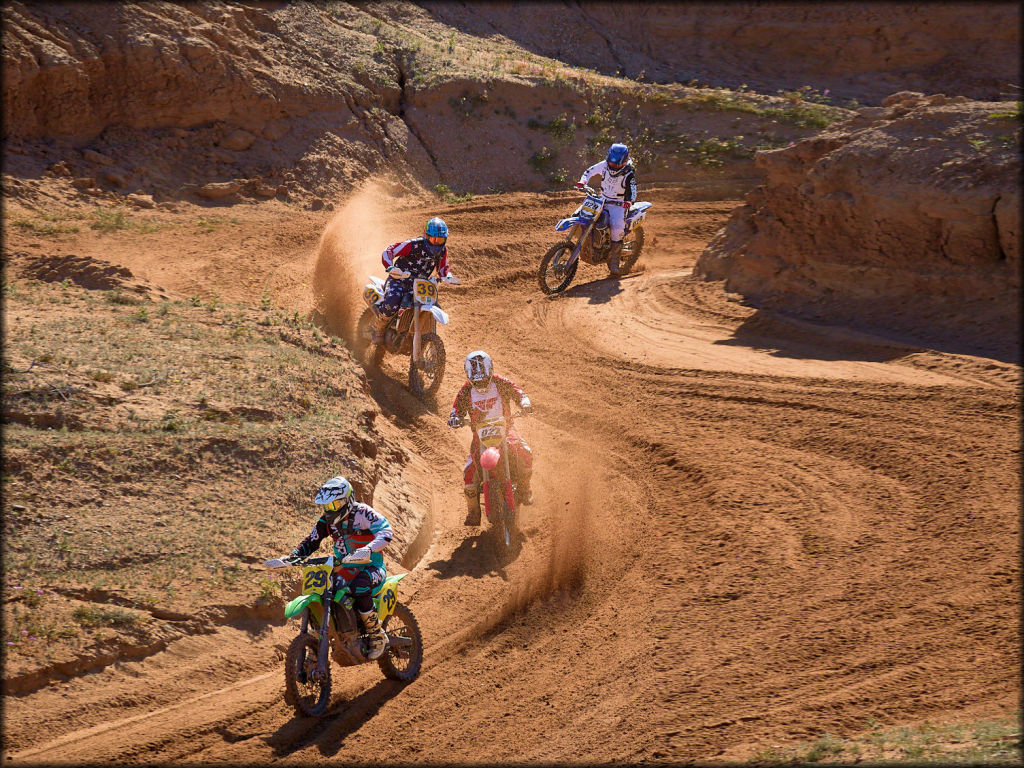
[(613, 258), (378, 640), (473, 504)]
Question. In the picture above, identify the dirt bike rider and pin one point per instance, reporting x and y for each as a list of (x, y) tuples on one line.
[(358, 530), (618, 185), (486, 395), (417, 257)]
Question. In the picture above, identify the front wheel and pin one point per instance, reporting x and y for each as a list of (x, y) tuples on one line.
[(426, 373), (309, 695), (555, 272), (402, 660), (502, 519)]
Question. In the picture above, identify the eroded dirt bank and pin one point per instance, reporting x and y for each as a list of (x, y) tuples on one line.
[(904, 217), (748, 530)]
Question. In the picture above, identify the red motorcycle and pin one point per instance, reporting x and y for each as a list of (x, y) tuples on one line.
[(498, 487)]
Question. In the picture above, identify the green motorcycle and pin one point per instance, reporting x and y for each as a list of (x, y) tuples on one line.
[(329, 627)]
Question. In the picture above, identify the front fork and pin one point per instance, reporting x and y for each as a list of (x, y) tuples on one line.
[(509, 490), (579, 245), (325, 635), (415, 334)]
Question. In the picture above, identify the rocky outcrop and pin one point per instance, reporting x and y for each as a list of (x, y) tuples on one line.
[(862, 51), (908, 209)]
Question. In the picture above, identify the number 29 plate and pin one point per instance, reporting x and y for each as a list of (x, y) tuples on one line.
[(315, 579)]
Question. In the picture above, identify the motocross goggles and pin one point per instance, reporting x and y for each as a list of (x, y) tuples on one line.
[(436, 240), (334, 506)]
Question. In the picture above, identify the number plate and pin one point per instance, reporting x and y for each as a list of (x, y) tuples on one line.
[(388, 597), (371, 294), (591, 207), (491, 434), (315, 579), (424, 291)]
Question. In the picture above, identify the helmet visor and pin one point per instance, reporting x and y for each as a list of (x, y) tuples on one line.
[(436, 240), (616, 165)]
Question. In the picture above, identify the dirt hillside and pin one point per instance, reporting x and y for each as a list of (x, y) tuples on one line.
[(855, 50), (762, 517), (301, 101), (906, 216)]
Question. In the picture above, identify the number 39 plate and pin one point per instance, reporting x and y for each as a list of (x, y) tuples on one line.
[(424, 291)]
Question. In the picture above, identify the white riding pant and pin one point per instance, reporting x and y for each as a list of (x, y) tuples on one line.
[(616, 220)]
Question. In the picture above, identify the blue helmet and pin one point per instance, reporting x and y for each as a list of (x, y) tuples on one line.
[(618, 156), (437, 228)]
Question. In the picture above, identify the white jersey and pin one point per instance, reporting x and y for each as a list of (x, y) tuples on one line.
[(486, 404), (619, 185)]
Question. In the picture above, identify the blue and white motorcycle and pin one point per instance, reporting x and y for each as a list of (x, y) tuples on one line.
[(588, 238), (412, 332)]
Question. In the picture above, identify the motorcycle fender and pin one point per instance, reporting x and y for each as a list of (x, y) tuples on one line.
[(377, 283), (637, 212), (438, 313), (300, 603), (565, 224), (387, 598)]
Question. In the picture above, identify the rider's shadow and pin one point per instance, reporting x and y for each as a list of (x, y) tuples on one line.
[(342, 719), (474, 557), (598, 291), (396, 400)]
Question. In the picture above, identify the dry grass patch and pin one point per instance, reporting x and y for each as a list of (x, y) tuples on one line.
[(155, 455), (984, 742)]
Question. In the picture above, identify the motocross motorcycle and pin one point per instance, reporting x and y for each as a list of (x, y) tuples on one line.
[(589, 239), (329, 626), (498, 487), (413, 331)]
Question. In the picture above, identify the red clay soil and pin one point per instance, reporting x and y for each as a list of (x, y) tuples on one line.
[(748, 530)]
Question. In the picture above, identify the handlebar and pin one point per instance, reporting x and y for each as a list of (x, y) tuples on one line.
[(463, 422), (587, 190), (277, 563), (399, 274)]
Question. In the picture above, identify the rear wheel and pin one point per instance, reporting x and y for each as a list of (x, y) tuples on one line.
[(425, 374), (309, 695), (555, 272), (632, 246), (402, 662)]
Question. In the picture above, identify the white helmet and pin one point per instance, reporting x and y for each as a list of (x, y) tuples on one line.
[(479, 369), (334, 496)]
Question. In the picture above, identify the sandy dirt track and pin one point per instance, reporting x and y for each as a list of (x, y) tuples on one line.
[(748, 531)]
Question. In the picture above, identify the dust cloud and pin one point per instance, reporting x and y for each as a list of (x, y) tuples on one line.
[(349, 251)]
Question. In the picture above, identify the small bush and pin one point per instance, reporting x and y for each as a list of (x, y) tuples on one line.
[(104, 616), (110, 219), (117, 296), (541, 160), (446, 194)]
